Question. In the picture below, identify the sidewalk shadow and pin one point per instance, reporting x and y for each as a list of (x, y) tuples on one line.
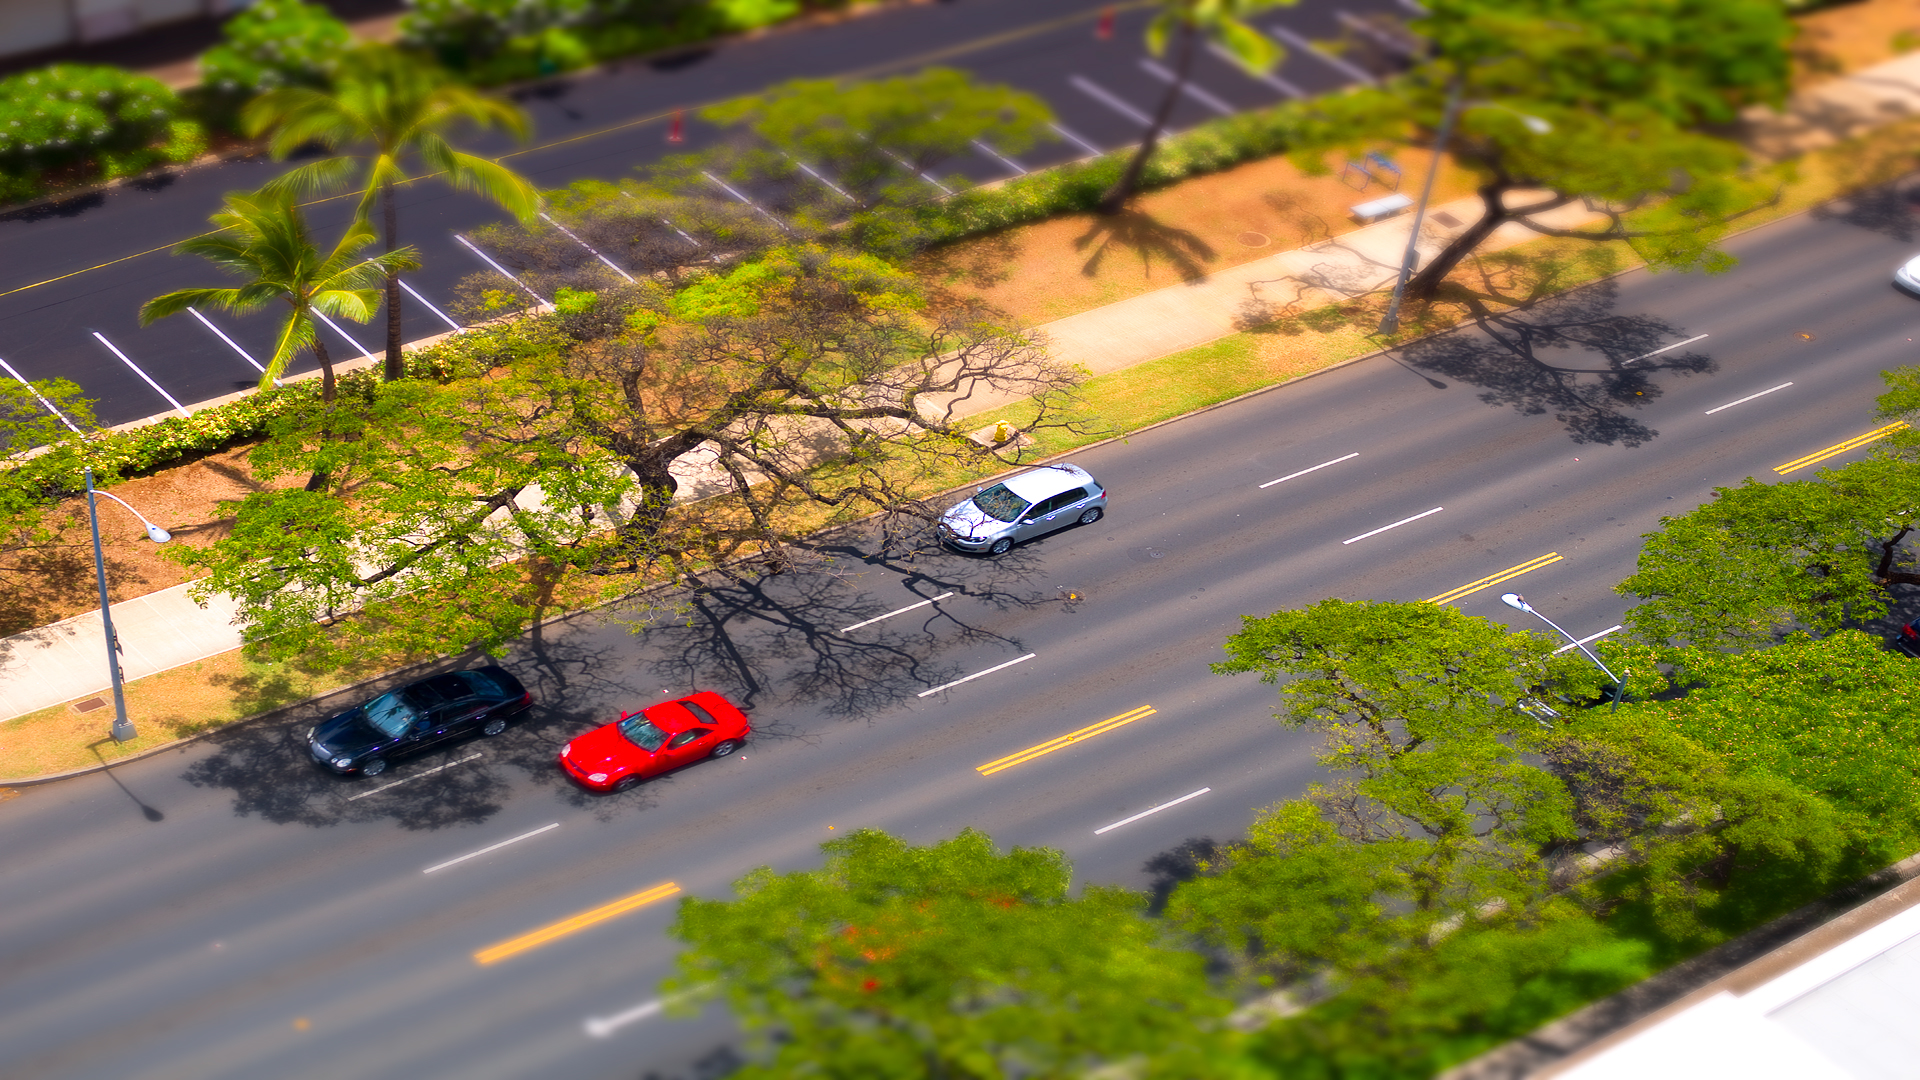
[(1594, 397), (1149, 239)]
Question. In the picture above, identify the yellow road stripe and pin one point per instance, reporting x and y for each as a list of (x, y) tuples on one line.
[(1487, 582), (945, 53), (1837, 449), (1064, 741), (561, 929)]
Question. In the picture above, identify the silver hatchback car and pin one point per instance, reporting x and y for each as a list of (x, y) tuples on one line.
[(1021, 507)]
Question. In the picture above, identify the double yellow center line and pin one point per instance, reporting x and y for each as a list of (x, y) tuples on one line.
[(1491, 580), (536, 938), (1064, 741), (1837, 449)]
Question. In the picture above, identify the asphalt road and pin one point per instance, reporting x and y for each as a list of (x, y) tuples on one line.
[(597, 125), (226, 910)]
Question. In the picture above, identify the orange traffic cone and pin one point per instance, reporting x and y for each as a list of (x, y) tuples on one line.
[(676, 128), (1104, 28)]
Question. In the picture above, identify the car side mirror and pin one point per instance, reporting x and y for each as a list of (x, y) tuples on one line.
[(624, 714)]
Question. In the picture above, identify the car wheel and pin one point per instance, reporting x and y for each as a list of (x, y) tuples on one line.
[(495, 726), (726, 748), (1092, 515), (626, 783), (1001, 546), (373, 766)]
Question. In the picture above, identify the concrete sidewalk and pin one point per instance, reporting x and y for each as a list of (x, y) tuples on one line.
[(66, 661)]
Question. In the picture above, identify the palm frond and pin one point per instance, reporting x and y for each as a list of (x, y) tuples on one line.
[(179, 300)]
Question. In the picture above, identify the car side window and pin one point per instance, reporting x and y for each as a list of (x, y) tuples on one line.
[(687, 736)]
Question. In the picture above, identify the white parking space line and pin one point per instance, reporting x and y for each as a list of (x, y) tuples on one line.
[(48, 405), (1077, 140), (1150, 811), (136, 370), (1188, 88), (1018, 169), (409, 779), (728, 188), (492, 847), (344, 336), (590, 248), (1316, 468), (1748, 398), (1267, 77), (429, 304), (1669, 348), (1589, 639), (809, 170), (1352, 71), (1098, 93), (1395, 525), (222, 335), (891, 614), (488, 259), (977, 674)]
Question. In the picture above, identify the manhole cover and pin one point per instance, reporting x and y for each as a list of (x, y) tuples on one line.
[(1255, 239)]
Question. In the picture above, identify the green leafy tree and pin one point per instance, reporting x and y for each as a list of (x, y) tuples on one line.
[(262, 237), (951, 960), (32, 533), (1626, 93), (865, 151), (1185, 24), (1762, 559), (390, 103)]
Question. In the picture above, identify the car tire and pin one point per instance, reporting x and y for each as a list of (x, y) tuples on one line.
[(625, 783), (726, 747), (1092, 515), (495, 726), (373, 766), (1001, 546)]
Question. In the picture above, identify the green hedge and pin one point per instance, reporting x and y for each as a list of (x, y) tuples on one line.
[(72, 124)]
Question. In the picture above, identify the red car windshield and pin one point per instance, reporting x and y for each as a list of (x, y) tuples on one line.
[(641, 732)]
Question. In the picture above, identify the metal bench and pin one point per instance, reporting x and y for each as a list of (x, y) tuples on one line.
[(1384, 207)]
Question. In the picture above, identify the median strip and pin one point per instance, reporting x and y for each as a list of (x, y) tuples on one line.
[(1488, 582), (1064, 741), (534, 939), (1837, 449)]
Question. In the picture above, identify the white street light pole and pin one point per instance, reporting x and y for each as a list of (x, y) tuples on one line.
[(1519, 603), (122, 727)]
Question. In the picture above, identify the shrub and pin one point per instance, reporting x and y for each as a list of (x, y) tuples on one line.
[(88, 123), (275, 43)]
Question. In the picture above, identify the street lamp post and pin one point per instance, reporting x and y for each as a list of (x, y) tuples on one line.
[(122, 727), (1519, 603)]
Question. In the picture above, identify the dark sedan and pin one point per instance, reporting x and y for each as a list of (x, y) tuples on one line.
[(427, 713)]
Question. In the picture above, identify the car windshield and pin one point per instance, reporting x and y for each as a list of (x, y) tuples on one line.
[(640, 732), (389, 714), (999, 503)]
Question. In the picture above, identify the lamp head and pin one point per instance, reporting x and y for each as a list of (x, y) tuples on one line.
[(1536, 125), (157, 534), (1517, 602)]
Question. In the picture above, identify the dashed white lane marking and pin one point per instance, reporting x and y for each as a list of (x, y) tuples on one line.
[(408, 779), (1352, 71), (1316, 468), (891, 614), (602, 1026), (444, 317), (1074, 138), (728, 188), (136, 370), (1669, 348), (1150, 811), (1100, 94), (1589, 639), (1748, 398), (491, 847), (1395, 525), (1198, 94), (810, 171), (977, 674)]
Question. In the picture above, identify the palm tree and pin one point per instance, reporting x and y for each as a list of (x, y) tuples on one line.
[(1221, 21), (392, 103), (262, 237)]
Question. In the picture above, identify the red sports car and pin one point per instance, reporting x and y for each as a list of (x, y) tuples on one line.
[(659, 738)]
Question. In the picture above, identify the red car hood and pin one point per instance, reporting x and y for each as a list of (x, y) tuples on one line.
[(605, 750)]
